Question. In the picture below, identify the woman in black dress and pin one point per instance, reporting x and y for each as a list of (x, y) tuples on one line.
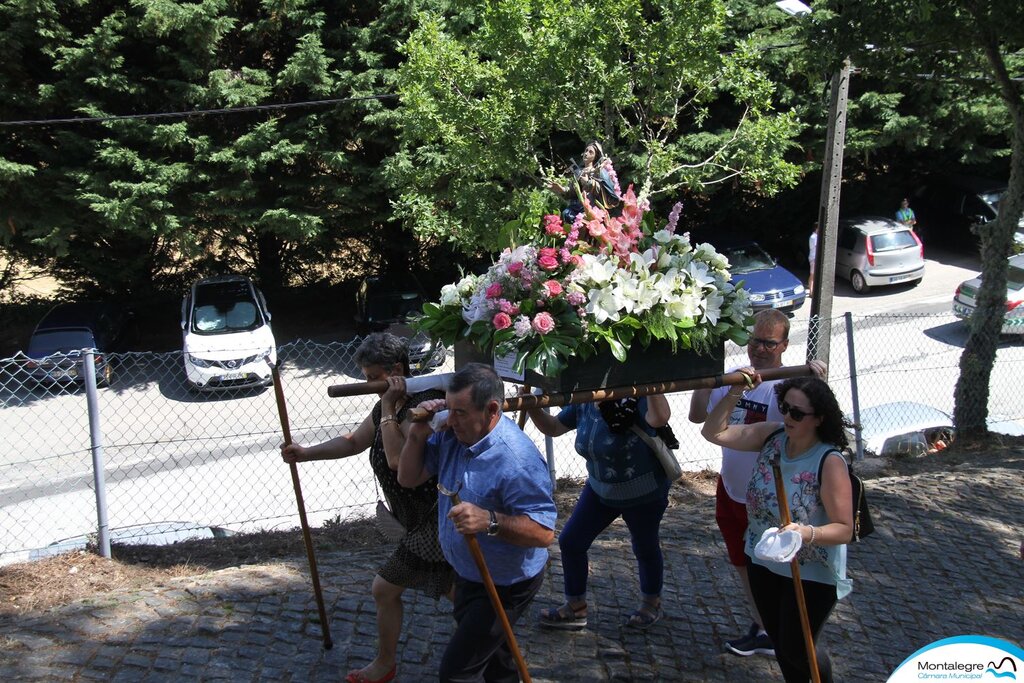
[(417, 561)]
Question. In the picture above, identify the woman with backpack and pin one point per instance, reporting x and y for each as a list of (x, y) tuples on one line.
[(805, 444)]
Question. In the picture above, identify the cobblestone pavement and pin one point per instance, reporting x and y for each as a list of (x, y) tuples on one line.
[(944, 561)]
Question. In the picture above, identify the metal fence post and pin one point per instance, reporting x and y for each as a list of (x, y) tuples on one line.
[(96, 446), (853, 386)]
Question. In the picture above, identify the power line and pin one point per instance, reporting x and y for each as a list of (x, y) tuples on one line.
[(194, 112)]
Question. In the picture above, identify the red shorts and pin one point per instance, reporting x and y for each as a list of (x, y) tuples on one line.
[(732, 521)]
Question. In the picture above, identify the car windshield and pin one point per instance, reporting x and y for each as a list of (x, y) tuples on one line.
[(748, 258), (393, 306), (225, 307), (890, 241), (59, 341), (992, 199)]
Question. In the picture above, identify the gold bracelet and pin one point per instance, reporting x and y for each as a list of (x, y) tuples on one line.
[(388, 419)]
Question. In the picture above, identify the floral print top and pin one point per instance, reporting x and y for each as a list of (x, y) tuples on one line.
[(824, 564)]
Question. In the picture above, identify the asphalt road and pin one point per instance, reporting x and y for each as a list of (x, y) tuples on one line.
[(167, 458)]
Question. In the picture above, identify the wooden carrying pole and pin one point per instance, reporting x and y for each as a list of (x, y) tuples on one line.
[(530, 401), (492, 591), (587, 396), (282, 411), (798, 587)]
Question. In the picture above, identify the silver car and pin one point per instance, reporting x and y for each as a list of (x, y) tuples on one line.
[(873, 251)]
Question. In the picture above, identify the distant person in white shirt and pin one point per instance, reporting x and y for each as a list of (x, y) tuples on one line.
[(812, 248)]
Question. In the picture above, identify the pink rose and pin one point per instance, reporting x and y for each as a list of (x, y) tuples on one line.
[(515, 268), (548, 258), (543, 322), (554, 287), (501, 321), (494, 290), (553, 225)]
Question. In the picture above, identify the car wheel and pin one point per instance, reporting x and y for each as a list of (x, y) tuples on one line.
[(858, 283)]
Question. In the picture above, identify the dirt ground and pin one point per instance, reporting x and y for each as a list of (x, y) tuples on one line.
[(65, 578)]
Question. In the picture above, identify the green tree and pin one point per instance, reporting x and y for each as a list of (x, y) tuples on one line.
[(129, 205), (498, 96), (966, 57)]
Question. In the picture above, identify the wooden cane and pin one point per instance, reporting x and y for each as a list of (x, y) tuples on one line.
[(492, 592), (798, 587), (282, 411)]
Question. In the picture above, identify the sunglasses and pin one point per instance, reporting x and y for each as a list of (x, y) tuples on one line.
[(795, 413), (769, 344)]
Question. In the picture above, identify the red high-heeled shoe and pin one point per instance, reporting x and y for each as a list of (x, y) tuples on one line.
[(360, 677)]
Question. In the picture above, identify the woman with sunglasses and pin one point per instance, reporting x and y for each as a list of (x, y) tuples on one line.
[(805, 445)]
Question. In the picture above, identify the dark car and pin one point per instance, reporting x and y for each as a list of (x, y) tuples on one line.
[(54, 353), (383, 307), (769, 284), (950, 209)]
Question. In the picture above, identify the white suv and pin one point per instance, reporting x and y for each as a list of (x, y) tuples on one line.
[(227, 338)]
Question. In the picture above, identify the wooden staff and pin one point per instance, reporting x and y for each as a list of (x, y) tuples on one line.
[(529, 401), (492, 592), (798, 587), (282, 411)]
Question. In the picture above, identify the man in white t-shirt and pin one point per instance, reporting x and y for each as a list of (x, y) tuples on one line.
[(768, 341)]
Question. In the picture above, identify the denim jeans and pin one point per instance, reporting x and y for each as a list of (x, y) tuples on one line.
[(590, 517)]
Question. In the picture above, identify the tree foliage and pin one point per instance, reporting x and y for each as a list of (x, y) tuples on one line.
[(965, 60), (127, 205), (497, 97)]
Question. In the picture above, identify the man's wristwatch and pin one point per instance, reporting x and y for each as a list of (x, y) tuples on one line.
[(493, 528)]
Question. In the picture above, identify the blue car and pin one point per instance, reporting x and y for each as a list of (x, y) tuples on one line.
[(770, 285)]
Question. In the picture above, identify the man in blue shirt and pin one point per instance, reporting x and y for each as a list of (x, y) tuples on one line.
[(506, 500)]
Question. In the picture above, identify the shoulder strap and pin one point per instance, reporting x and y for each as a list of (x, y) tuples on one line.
[(647, 438), (821, 464)]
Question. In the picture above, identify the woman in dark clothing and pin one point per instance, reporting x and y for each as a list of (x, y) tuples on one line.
[(417, 561), (625, 480)]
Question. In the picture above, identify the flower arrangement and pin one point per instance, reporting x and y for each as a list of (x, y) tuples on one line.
[(602, 280)]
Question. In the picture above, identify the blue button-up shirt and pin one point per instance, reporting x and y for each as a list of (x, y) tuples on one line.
[(503, 472)]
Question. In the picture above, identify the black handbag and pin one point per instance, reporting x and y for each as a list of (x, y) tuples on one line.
[(863, 525)]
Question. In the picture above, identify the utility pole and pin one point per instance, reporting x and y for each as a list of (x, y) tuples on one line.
[(819, 328)]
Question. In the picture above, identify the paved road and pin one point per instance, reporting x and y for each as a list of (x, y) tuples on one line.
[(944, 561)]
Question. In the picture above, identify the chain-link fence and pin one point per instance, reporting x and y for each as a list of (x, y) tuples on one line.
[(176, 462)]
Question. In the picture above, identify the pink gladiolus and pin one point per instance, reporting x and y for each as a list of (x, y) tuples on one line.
[(505, 305), (543, 322), (554, 287), (576, 298), (564, 255), (501, 321)]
